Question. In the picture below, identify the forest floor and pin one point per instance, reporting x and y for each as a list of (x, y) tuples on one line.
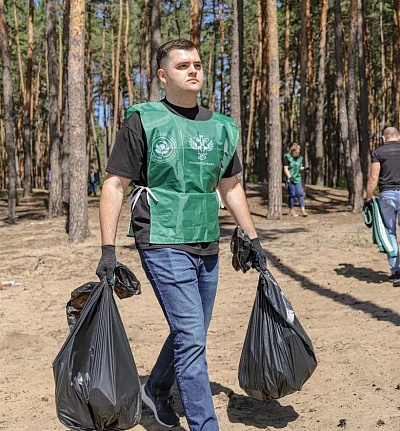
[(326, 264)]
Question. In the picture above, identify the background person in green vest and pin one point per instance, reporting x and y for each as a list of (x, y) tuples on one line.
[(177, 154), (292, 167)]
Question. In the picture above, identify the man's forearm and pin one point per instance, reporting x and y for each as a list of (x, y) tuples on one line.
[(373, 180), (371, 186), (111, 200), (234, 198)]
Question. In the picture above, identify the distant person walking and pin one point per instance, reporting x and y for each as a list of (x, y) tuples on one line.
[(292, 167), (385, 171), (93, 181)]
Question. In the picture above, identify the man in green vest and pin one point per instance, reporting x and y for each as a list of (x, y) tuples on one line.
[(178, 155)]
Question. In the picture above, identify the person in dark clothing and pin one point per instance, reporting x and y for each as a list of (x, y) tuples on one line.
[(178, 155), (93, 179), (385, 171)]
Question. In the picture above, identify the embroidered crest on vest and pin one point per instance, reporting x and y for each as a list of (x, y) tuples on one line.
[(202, 144), (164, 148)]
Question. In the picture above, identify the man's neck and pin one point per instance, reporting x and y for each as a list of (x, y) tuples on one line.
[(184, 101)]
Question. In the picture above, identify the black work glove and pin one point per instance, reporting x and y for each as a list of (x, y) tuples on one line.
[(107, 263), (367, 204), (306, 168), (260, 259)]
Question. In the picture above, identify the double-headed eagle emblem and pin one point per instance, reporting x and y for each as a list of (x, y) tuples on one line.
[(202, 144)]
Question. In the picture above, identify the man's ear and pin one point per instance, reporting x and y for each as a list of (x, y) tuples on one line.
[(161, 74)]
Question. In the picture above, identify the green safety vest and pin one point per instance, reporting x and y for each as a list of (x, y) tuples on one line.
[(185, 161), (294, 168)]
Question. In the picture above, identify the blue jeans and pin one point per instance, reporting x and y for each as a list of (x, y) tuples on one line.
[(295, 191), (389, 202), (185, 286)]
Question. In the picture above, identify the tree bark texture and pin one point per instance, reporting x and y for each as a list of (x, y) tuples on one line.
[(236, 74), (319, 168), (54, 174), (303, 76), (340, 88), (356, 185), (28, 107), (78, 215), (195, 22), (363, 89), (8, 117), (275, 137), (263, 91), (155, 44)]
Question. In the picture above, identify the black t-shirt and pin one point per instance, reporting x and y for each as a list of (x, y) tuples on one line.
[(388, 155), (129, 160)]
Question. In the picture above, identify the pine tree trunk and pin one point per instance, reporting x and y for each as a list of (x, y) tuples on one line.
[(356, 184), (143, 52), (250, 148), (222, 56), (309, 149), (8, 117), (65, 143), (318, 167), (106, 120), (383, 67), (155, 44), (54, 175), (303, 76), (263, 92), (28, 99), (364, 123), (287, 133), (116, 110), (89, 85), (342, 108), (275, 137), (396, 63), (236, 73), (128, 61), (195, 22), (78, 216)]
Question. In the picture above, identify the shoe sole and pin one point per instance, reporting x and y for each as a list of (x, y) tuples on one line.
[(396, 283), (149, 403)]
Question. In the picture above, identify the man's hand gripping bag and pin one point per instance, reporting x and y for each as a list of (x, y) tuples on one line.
[(97, 384)]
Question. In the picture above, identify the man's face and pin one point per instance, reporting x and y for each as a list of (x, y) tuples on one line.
[(182, 71)]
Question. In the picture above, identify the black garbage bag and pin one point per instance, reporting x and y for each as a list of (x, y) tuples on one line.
[(125, 282), (277, 356), (97, 385), (125, 285)]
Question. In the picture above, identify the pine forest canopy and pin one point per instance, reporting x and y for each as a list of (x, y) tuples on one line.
[(336, 77)]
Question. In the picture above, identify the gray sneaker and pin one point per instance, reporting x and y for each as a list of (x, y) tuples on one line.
[(396, 283), (163, 411)]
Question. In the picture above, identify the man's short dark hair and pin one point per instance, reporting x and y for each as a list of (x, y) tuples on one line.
[(164, 50)]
